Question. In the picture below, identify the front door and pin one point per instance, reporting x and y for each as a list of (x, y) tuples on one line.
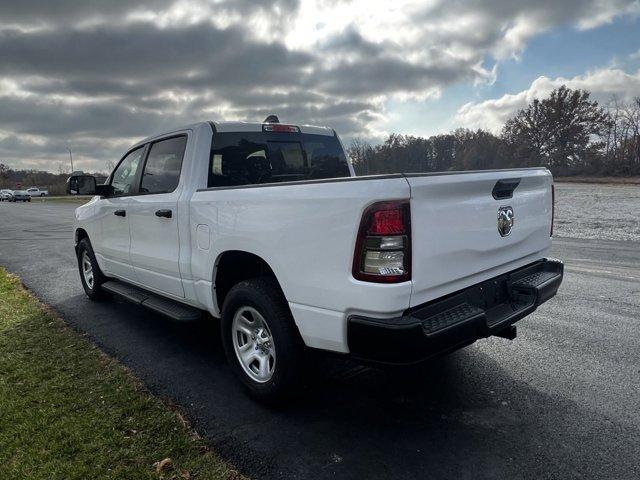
[(114, 242), (155, 245)]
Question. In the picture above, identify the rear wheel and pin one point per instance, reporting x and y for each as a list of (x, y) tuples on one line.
[(261, 341), (90, 274)]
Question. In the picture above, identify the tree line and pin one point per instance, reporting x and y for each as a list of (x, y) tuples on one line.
[(566, 132)]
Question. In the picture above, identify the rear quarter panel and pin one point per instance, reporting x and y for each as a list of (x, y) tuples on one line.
[(306, 233)]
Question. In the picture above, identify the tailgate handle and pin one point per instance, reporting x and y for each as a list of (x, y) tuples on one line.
[(504, 188)]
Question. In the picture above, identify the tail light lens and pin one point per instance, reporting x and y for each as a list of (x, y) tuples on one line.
[(553, 207), (383, 246)]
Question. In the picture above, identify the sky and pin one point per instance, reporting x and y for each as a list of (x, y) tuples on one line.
[(97, 76)]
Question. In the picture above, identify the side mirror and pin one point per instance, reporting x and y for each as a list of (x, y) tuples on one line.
[(81, 185)]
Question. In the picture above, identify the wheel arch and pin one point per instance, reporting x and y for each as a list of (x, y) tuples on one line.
[(234, 266), (80, 233)]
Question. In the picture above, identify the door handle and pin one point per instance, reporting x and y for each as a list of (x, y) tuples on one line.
[(120, 213), (504, 188), (163, 213)]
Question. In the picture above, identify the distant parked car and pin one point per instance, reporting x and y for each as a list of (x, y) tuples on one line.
[(36, 192), (6, 195), (21, 196)]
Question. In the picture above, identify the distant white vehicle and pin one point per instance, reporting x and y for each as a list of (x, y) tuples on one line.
[(265, 226), (36, 192), (6, 195)]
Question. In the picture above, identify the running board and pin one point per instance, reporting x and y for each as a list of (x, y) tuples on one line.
[(170, 308)]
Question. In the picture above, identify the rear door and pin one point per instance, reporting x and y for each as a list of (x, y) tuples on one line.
[(155, 245), (456, 237)]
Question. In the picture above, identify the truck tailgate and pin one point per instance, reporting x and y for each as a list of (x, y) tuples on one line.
[(454, 223)]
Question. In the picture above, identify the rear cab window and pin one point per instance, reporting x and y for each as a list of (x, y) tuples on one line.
[(251, 158)]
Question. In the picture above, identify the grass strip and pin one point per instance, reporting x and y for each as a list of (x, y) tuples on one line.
[(68, 411)]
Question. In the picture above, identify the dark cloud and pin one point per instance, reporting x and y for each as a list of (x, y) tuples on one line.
[(365, 78), (145, 52), (48, 12)]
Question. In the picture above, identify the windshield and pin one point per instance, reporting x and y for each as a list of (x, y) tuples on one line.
[(249, 158)]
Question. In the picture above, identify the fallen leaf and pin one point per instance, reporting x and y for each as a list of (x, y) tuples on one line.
[(162, 465)]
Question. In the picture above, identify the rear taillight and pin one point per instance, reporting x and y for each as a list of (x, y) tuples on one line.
[(553, 207), (383, 246)]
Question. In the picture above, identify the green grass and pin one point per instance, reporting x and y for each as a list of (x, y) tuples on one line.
[(68, 411)]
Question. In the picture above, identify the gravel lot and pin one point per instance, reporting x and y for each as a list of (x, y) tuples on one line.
[(605, 212)]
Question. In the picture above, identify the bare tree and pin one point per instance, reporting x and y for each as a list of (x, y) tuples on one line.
[(360, 151), (4, 172)]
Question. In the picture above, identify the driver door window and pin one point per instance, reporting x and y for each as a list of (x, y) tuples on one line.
[(124, 176)]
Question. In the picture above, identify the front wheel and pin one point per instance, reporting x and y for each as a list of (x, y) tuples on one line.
[(261, 341), (90, 274)]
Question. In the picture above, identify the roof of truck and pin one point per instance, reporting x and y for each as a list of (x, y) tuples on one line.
[(257, 127)]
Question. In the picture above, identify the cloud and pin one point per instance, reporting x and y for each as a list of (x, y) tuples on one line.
[(603, 84), (100, 74)]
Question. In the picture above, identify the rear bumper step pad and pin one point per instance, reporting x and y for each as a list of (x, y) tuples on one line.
[(169, 308), (443, 325)]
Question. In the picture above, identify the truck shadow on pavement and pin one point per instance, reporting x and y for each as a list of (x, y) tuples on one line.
[(460, 416)]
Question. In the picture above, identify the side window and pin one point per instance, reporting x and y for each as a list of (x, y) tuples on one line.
[(125, 173), (162, 170)]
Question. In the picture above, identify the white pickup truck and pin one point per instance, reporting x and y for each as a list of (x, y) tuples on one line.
[(266, 227), (36, 192)]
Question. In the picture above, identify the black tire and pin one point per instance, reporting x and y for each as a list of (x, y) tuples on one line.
[(94, 292), (264, 295)]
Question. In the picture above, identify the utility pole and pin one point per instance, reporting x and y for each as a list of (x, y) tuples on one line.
[(71, 158)]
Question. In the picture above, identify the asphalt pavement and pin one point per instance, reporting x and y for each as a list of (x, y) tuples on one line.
[(560, 401)]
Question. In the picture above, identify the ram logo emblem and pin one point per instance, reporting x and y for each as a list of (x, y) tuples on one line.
[(505, 220)]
